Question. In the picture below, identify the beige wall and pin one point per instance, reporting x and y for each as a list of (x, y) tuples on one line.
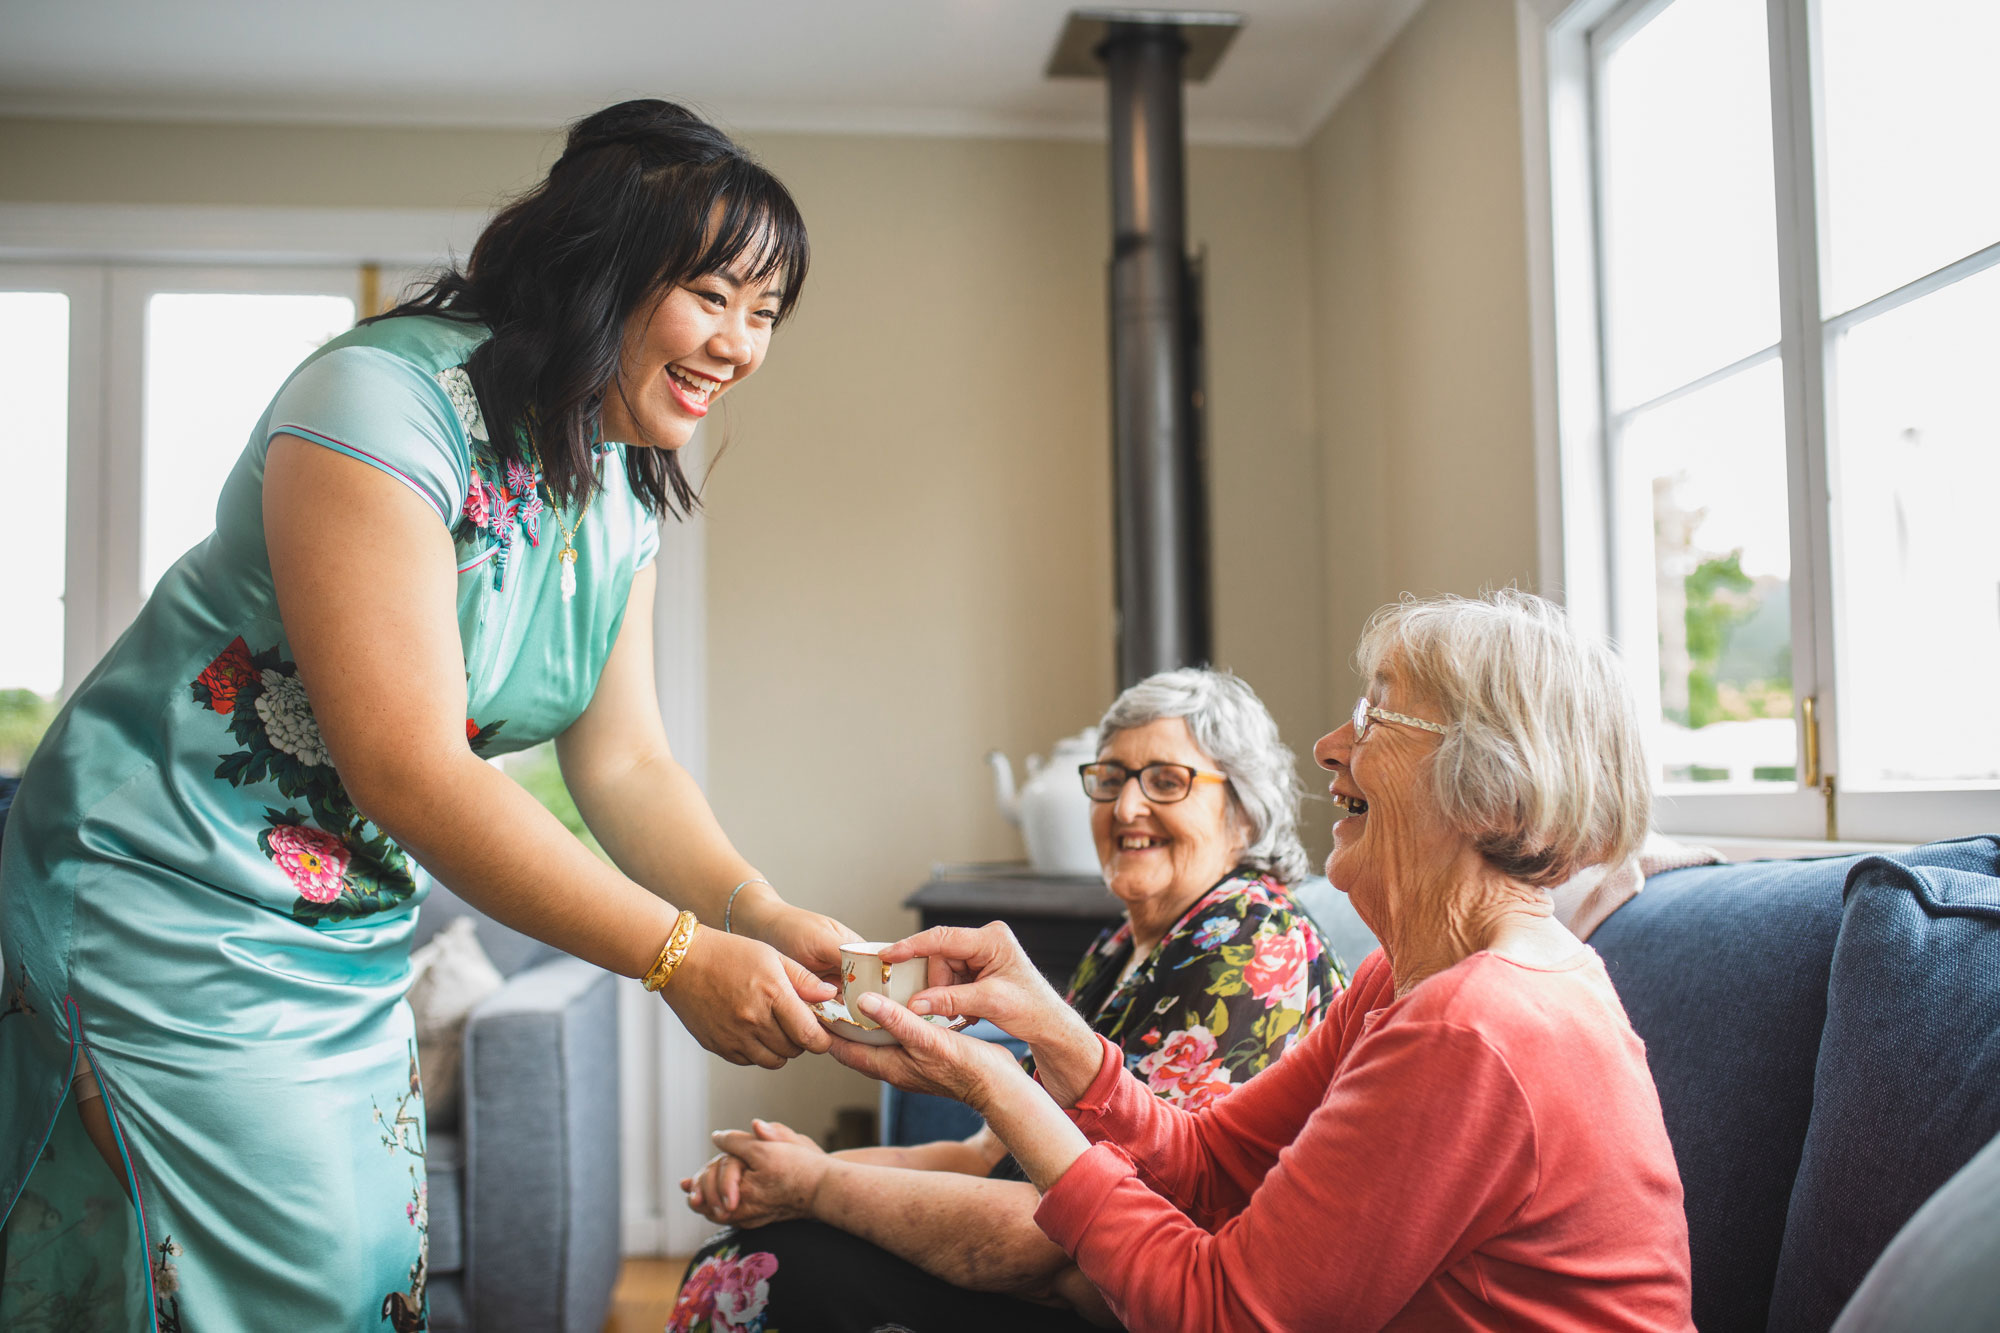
[(1421, 341), (909, 551)]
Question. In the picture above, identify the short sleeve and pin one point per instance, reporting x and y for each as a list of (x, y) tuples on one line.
[(387, 412), (646, 544)]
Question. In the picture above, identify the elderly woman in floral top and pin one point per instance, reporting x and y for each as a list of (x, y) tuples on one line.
[(1213, 975)]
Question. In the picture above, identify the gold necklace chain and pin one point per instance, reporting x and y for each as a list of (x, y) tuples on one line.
[(567, 556)]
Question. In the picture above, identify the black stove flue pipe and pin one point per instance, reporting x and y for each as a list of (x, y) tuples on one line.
[(1157, 457)]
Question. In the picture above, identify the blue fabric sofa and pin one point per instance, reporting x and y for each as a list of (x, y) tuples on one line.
[(1825, 1036), (524, 1188)]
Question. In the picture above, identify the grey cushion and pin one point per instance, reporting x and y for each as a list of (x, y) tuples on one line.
[(447, 1302), (444, 1171), (1907, 1087), (1723, 970), (541, 1137), (1942, 1271), (510, 950)]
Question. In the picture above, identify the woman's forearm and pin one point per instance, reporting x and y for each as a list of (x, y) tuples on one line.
[(1067, 1058), (969, 1231), (1025, 1118), (946, 1155), (483, 836), (656, 824)]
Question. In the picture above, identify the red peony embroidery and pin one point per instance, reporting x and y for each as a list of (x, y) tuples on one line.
[(476, 504), (314, 860), (471, 730), (227, 674)]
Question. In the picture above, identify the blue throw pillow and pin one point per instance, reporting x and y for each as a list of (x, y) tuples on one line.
[(1907, 1088)]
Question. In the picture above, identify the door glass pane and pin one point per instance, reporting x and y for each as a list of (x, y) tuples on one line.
[(1916, 509), (1690, 231), (34, 439), (213, 362), (1702, 482), (1910, 115)]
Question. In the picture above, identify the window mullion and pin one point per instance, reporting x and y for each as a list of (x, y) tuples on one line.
[(1803, 344), (83, 575)]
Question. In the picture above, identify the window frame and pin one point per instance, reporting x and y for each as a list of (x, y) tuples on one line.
[(1559, 42), (83, 517)]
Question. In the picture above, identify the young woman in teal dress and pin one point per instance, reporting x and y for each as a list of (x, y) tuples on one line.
[(436, 548)]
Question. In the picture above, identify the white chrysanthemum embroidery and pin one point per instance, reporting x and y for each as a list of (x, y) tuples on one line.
[(457, 386), (288, 719)]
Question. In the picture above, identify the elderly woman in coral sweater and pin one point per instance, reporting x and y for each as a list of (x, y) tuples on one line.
[(1472, 1138)]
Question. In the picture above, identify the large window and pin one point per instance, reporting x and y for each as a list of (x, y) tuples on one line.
[(1792, 333), (131, 392)]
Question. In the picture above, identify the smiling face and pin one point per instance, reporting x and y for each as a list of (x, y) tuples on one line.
[(698, 340), (1160, 858), (1393, 835)]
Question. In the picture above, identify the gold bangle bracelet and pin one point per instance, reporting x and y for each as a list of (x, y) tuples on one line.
[(676, 948)]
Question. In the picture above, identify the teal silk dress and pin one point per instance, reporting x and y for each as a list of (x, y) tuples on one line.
[(188, 895)]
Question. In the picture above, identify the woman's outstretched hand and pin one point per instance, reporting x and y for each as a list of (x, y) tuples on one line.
[(768, 1175), (810, 938), (929, 1058), (746, 1002)]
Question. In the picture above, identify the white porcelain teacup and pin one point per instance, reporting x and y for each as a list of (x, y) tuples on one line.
[(862, 972)]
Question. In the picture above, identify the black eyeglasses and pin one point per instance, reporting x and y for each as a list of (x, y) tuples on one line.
[(1164, 783)]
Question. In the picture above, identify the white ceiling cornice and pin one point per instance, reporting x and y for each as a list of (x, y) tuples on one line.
[(946, 68)]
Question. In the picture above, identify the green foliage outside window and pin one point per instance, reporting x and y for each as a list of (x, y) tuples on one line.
[(24, 716), (1739, 652), (537, 770)]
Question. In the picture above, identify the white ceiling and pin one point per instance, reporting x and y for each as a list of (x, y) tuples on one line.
[(892, 66)]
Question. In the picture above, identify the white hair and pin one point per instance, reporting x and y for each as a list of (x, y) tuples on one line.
[(1231, 726), (1543, 766)]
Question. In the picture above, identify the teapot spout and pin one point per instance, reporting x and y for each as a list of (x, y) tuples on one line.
[(1004, 794)]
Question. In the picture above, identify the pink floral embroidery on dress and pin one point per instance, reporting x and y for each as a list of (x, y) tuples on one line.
[(315, 861), (498, 510)]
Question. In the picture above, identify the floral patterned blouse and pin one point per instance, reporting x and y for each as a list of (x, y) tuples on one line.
[(1238, 979)]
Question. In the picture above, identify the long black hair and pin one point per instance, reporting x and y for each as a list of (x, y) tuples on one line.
[(645, 195)]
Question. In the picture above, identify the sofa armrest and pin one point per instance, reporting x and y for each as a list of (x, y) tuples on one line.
[(541, 1151)]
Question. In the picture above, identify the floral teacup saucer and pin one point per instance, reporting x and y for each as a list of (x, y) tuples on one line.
[(839, 1022)]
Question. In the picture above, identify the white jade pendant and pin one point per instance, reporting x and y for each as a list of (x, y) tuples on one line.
[(568, 573)]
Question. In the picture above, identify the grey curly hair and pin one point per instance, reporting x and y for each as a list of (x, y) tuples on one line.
[(1232, 727)]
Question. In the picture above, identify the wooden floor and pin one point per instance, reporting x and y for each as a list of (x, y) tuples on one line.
[(644, 1296)]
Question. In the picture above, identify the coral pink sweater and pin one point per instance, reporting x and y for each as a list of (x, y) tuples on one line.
[(1486, 1152)]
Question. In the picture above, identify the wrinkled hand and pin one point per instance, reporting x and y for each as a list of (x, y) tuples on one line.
[(810, 938), (768, 1175), (930, 1058), (746, 1002), (983, 973)]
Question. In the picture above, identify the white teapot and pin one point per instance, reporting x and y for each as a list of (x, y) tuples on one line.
[(1051, 810)]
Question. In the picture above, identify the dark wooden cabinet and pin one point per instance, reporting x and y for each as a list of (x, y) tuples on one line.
[(1056, 917)]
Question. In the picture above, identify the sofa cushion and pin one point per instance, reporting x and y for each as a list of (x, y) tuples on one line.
[(1943, 1268), (1907, 1087), (444, 1197), (1723, 970)]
